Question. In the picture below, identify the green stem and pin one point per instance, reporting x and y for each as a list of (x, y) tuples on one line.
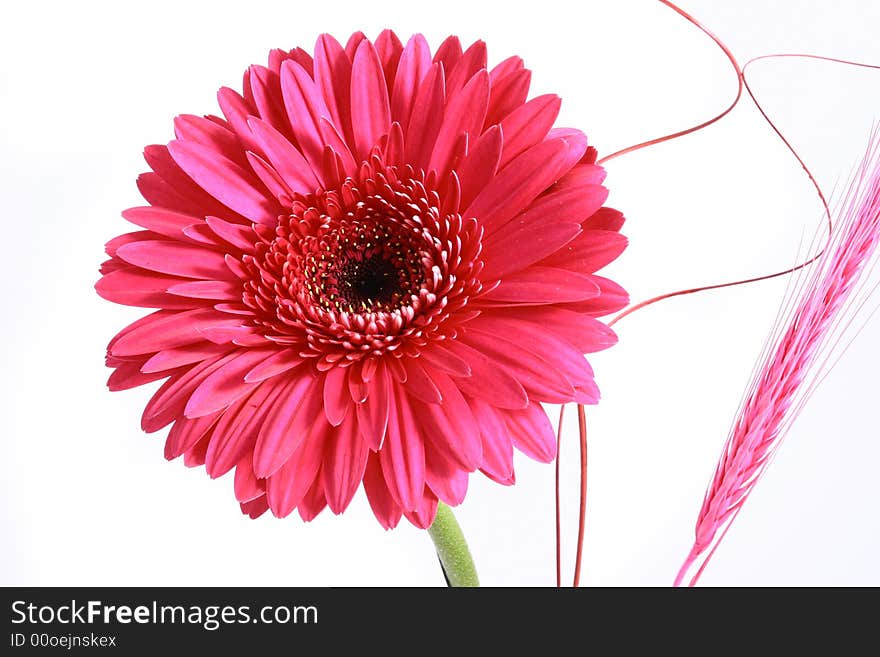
[(458, 566)]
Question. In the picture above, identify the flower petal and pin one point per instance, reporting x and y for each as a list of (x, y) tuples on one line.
[(403, 455), (292, 417), (497, 447), (532, 433), (480, 164), (284, 157), (224, 180), (415, 61), (373, 414), (305, 108), (224, 385), (165, 331), (540, 285), (370, 110), (333, 78), (518, 184), (527, 125), (449, 425), (345, 459), (446, 480), (386, 510), (336, 396), (287, 486), (463, 116)]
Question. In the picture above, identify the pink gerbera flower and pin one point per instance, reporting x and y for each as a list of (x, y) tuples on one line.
[(372, 270)]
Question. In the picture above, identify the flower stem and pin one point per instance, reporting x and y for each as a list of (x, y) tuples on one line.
[(455, 558)]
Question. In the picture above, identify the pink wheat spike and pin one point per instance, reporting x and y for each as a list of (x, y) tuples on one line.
[(801, 349)]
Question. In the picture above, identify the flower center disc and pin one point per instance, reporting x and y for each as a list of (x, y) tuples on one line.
[(364, 267)]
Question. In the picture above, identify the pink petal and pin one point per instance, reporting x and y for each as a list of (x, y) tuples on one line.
[(442, 358), (236, 110), (508, 93), (333, 78), (277, 363), (353, 42), (532, 433), (480, 164), (585, 334), (292, 417), (505, 68), (240, 237), (497, 447), (170, 330), (540, 285), (286, 488), (522, 244), (284, 158), (419, 382), (313, 502), (305, 108), (450, 425), (540, 380), (176, 258), (403, 456), (423, 515), (527, 125), (589, 252), (472, 61), (611, 297), (566, 203), (271, 179), (336, 396), (604, 219), (561, 356), (411, 70), (160, 194), (487, 382), (247, 486), (168, 402), (373, 414), (339, 148), (224, 180), (448, 53), (160, 220), (384, 507), (518, 184), (463, 116), (427, 115), (133, 286), (265, 86), (345, 459), (187, 433), (184, 355), (255, 507), (446, 480), (198, 129), (217, 290), (237, 429), (370, 111), (225, 385), (129, 375), (389, 48), (196, 201)]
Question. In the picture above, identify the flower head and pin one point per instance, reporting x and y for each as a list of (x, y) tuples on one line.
[(373, 268)]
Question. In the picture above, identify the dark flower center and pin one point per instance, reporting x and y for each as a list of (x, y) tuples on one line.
[(374, 280), (368, 265)]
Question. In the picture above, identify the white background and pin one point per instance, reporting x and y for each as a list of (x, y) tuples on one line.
[(88, 499)]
